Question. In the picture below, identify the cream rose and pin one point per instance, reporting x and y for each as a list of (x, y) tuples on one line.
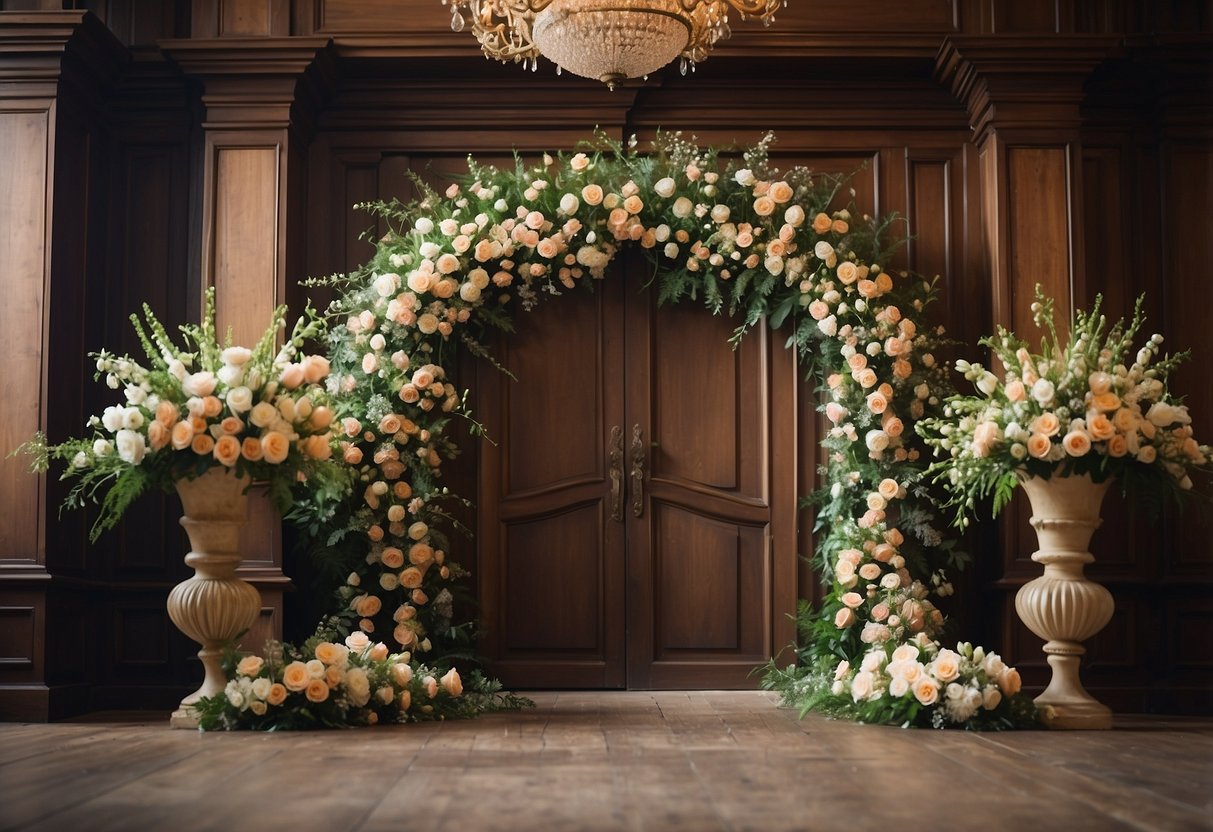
[(250, 666), (592, 194), (926, 691)]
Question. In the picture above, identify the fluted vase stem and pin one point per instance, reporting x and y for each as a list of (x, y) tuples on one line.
[(213, 606), (1063, 606)]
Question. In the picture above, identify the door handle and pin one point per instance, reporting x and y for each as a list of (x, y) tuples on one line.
[(615, 472), (638, 463)]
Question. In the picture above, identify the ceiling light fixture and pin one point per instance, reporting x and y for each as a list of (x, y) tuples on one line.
[(609, 40)]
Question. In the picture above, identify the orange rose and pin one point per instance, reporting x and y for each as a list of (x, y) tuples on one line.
[(1118, 446), (321, 417), (781, 192), (821, 223), (231, 424), (211, 406), (402, 490), (411, 578), (840, 227), (764, 206), (393, 558), (367, 605), (318, 447), (202, 444), (420, 554), (1105, 401), (451, 682)]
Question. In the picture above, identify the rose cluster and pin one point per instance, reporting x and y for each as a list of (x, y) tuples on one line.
[(1088, 405), (330, 684)]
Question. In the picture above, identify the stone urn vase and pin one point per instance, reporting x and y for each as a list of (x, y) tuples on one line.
[(1062, 606), (214, 606)]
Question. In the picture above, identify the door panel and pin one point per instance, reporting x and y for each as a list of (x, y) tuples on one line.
[(699, 573), (551, 558), (678, 591)]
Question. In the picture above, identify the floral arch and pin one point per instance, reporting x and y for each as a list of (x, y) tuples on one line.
[(744, 238)]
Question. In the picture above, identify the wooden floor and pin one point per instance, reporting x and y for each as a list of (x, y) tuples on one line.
[(586, 761)]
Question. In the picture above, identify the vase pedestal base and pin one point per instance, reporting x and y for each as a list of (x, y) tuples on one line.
[(184, 717), (1074, 716)]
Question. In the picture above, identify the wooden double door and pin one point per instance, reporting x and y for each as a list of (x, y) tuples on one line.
[(628, 531)]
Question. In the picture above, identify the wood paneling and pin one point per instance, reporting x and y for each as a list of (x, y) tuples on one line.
[(1040, 241), (24, 188)]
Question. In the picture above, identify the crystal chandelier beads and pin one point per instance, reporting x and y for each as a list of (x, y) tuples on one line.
[(605, 39)]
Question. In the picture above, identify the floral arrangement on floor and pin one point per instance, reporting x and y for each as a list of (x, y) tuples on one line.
[(746, 239), (261, 412), (1087, 404), (335, 685)]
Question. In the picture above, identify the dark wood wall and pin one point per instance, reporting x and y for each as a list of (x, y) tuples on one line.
[(152, 149)]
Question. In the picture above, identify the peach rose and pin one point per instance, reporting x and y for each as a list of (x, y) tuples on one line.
[(1016, 392), (430, 684), (411, 578), (250, 449), (451, 683), (926, 691), (321, 417), (844, 618), (888, 488), (946, 666), (404, 635), (1046, 423), (276, 695), (877, 403), (352, 455), (592, 194), (367, 605), (317, 447), (1076, 443), (292, 376), (1118, 446), (1039, 445), (1107, 401), (420, 554), (764, 206), (315, 368), (781, 192), (866, 378), (275, 447), (167, 414), (392, 557), (847, 272), (891, 425), (250, 666), (1009, 681), (158, 435), (182, 435), (227, 450), (821, 223), (357, 642), (295, 676), (202, 444), (317, 691), (1100, 427)]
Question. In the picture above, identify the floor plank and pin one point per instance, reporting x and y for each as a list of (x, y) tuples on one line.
[(635, 761)]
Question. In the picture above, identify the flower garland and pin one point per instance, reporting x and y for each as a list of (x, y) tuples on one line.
[(744, 238)]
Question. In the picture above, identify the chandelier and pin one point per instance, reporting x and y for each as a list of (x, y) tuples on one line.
[(609, 40)]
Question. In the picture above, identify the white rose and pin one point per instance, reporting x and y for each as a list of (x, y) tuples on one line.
[(822, 250), (683, 207), (132, 418), (794, 216), (774, 265), (828, 326), (236, 356), (424, 225), (1043, 391), (135, 395), (569, 204), (240, 399), (199, 384), (720, 213), (671, 250), (261, 687), (470, 292), (231, 376), (131, 446), (386, 284), (665, 187), (876, 440), (104, 448), (80, 460), (176, 369), (112, 418), (745, 176)]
